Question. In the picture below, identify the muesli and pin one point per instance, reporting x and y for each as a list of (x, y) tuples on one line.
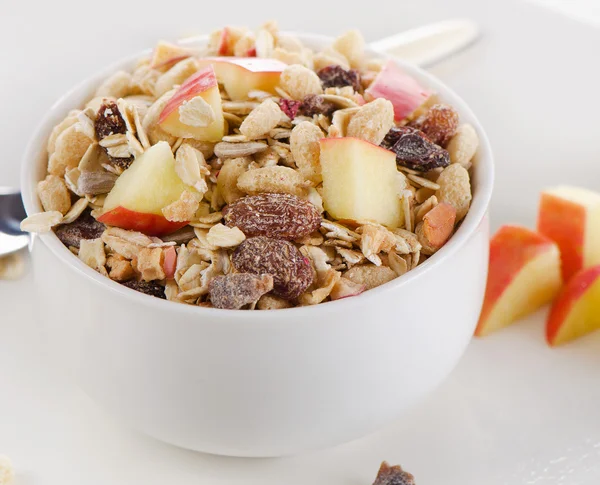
[(257, 173)]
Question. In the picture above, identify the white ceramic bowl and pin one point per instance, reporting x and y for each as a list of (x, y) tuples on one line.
[(262, 383)]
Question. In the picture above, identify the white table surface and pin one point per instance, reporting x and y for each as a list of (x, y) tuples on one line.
[(514, 412)]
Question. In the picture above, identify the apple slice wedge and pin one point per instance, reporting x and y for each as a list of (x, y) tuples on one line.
[(140, 193), (576, 311), (404, 92), (570, 216), (195, 110), (240, 75), (360, 181), (524, 275)]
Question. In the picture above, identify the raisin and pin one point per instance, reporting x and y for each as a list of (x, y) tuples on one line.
[(337, 77), (147, 287), (313, 104), (289, 107), (84, 227), (393, 475), (439, 123), (291, 272), (414, 150), (233, 291), (110, 122), (282, 216)]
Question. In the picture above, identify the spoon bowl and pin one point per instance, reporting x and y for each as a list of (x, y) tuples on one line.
[(12, 212)]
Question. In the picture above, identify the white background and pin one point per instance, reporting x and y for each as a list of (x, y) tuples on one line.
[(513, 413)]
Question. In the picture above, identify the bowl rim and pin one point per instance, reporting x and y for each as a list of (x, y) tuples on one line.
[(475, 217)]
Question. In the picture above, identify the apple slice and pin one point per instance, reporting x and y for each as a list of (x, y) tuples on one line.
[(405, 93), (570, 216), (360, 181), (240, 75), (576, 311), (140, 193), (195, 109), (524, 274), (166, 55)]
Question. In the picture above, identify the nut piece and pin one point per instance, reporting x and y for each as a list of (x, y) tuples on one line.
[(261, 119), (120, 268), (272, 302), (222, 236), (370, 275), (91, 252), (436, 228), (304, 144), (372, 121), (292, 273), (150, 264), (299, 81), (233, 291), (393, 475), (183, 209), (463, 145), (274, 215), (455, 189), (228, 177), (54, 195), (281, 180)]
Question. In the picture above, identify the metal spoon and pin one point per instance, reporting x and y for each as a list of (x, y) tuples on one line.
[(12, 212), (424, 46)]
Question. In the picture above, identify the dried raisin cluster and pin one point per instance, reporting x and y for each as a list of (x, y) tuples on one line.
[(415, 150), (337, 77), (439, 123), (85, 227), (110, 122)]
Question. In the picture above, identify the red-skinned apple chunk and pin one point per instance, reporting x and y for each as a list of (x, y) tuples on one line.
[(360, 181), (195, 110), (570, 216), (576, 311), (524, 274), (142, 191), (240, 75), (405, 93)]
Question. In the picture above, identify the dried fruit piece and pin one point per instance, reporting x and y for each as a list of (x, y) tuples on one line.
[(282, 216), (393, 475), (85, 227), (335, 76), (109, 122), (316, 105), (439, 123), (455, 189), (151, 288), (414, 150), (292, 272), (234, 291), (290, 107), (436, 228)]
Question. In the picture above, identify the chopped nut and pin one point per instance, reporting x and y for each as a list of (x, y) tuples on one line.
[(150, 264), (183, 209), (54, 195), (91, 252), (436, 228), (120, 268), (281, 180)]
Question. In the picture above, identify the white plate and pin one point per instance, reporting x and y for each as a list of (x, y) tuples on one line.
[(514, 412)]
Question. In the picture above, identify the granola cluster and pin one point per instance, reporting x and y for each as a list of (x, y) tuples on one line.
[(249, 226)]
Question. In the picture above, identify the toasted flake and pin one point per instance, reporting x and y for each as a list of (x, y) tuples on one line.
[(239, 107), (191, 168), (423, 182), (326, 283), (424, 208), (375, 240), (282, 180), (272, 302), (150, 264), (455, 189), (196, 112), (352, 46), (228, 178), (85, 124), (350, 256), (150, 122), (372, 121), (126, 243), (224, 237), (305, 148), (91, 252), (41, 222), (370, 275), (335, 230), (234, 150), (463, 145), (54, 194), (261, 120), (70, 146), (397, 263), (318, 258), (75, 211), (183, 209), (329, 57), (117, 86), (70, 120), (300, 81)]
